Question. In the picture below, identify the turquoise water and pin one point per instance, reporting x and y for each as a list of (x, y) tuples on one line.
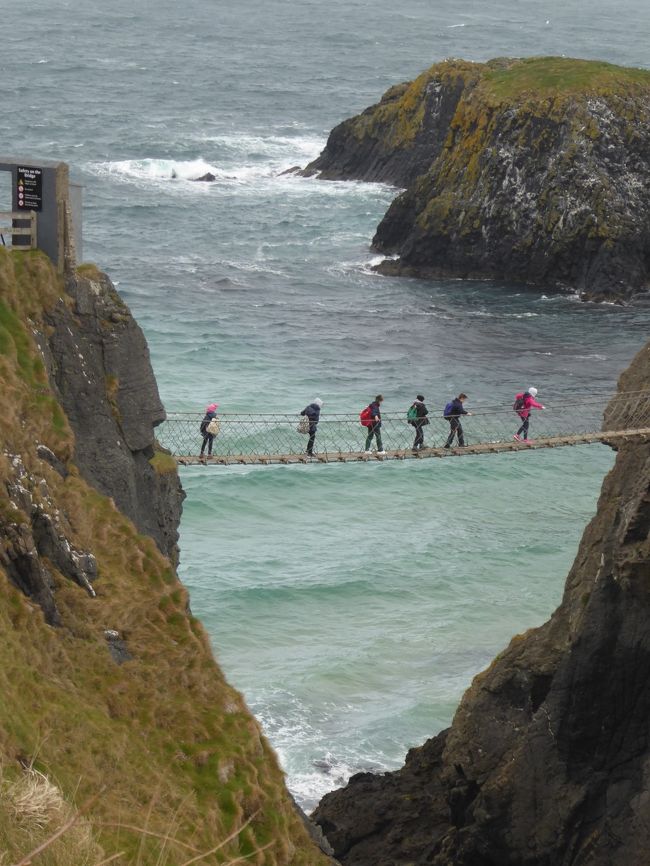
[(351, 604)]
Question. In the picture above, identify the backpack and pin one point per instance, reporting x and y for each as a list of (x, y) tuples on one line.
[(412, 414), (449, 408), (519, 403), (365, 416)]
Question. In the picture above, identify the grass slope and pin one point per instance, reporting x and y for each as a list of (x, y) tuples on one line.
[(175, 756)]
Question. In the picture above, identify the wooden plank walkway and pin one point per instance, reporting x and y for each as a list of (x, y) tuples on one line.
[(612, 437)]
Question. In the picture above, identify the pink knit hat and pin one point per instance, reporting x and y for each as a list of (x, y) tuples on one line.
[(212, 407)]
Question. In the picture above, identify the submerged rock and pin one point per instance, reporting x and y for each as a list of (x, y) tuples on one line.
[(547, 758), (535, 171), (208, 177)]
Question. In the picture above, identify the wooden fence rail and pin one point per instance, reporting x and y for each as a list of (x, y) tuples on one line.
[(15, 227)]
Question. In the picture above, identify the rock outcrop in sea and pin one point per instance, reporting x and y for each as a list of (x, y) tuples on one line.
[(534, 171), (547, 758), (116, 723)]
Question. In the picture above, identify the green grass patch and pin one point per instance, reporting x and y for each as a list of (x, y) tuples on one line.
[(163, 464), (547, 76)]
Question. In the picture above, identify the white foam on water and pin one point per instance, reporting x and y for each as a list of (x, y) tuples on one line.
[(310, 787), (151, 169), (179, 177), (280, 148)]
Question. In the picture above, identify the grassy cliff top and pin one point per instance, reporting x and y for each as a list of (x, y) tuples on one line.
[(551, 76), (399, 118)]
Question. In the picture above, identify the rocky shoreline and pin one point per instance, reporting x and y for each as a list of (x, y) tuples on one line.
[(533, 171)]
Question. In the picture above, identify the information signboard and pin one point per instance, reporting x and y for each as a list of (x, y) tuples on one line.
[(29, 188)]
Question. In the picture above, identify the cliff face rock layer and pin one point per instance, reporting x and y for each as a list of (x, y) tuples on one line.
[(535, 171), (109, 688), (547, 760)]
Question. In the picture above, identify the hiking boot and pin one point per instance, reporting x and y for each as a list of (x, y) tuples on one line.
[(367, 452), (379, 453), (517, 437)]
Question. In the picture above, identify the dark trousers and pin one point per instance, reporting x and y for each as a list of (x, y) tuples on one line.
[(524, 427), (374, 430), (419, 434), (312, 437), (208, 439), (455, 428)]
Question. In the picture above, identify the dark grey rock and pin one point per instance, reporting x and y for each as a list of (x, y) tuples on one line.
[(117, 647), (99, 368), (51, 542), (50, 457)]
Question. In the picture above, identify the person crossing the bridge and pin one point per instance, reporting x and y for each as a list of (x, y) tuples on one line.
[(312, 413), (524, 402), (374, 424), (208, 438), (417, 417), (453, 410)]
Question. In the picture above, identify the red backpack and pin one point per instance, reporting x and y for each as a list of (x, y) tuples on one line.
[(365, 416)]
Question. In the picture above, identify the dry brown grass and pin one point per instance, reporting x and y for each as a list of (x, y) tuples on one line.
[(58, 835), (35, 815)]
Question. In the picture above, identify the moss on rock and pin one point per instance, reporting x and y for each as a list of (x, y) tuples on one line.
[(535, 170)]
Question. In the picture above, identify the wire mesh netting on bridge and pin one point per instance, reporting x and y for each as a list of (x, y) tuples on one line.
[(276, 435)]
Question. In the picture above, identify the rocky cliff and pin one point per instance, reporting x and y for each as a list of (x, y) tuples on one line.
[(547, 760), (534, 171), (114, 714)]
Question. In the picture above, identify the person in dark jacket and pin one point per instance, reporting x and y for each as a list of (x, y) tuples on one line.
[(419, 422), (208, 438), (374, 428), (312, 412), (453, 411)]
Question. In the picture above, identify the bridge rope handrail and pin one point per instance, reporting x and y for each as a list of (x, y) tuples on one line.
[(266, 435), (489, 409)]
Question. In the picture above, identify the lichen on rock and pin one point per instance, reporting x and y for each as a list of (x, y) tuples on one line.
[(535, 171)]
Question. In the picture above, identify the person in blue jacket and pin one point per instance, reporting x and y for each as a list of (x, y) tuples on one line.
[(312, 412), (453, 411)]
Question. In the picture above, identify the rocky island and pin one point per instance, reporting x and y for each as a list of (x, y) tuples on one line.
[(530, 170)]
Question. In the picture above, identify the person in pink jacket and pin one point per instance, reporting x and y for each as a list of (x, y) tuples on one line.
[(524, 402)]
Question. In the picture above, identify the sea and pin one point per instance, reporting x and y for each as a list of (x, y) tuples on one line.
[(351, 604)]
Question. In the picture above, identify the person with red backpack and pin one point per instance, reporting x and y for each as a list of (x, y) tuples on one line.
[(524, 402), (371, 418)]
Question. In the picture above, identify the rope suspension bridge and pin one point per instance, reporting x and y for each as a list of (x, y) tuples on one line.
[(263, 439)]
